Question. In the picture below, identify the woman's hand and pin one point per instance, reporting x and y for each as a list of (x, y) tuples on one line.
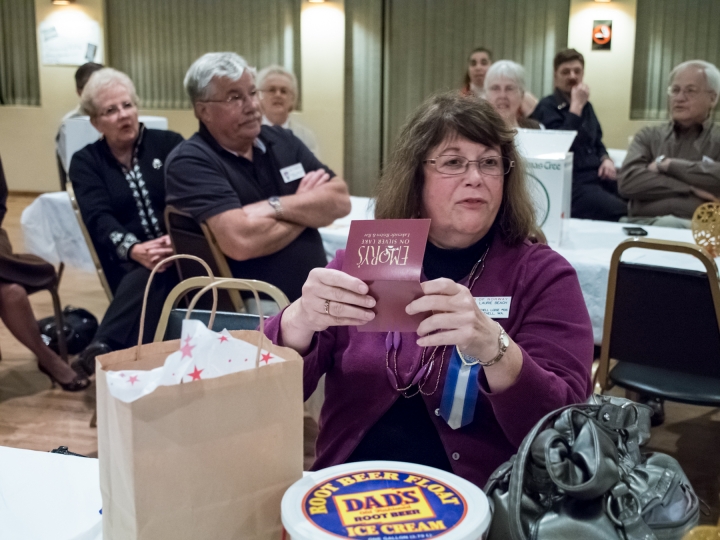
[(152, 252), (329, 298), (457, 320)]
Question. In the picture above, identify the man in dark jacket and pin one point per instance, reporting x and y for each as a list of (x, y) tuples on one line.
[(594, 191)]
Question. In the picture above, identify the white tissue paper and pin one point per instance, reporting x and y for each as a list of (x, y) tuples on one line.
[(203, 354)]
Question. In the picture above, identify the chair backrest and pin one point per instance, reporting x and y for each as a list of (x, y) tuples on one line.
[(223, 319), (88, 241), (662, 317), (171, 316), (192, 238)]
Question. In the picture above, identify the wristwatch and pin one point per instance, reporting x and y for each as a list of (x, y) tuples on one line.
[(503, 344), (659, 160), (277, 206)]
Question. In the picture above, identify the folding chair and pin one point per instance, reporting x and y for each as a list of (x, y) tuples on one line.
[(192, 238), (171, 318), (89, 242), (662, 327)]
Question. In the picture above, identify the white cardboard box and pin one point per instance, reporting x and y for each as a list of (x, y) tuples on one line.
[(549, 173)]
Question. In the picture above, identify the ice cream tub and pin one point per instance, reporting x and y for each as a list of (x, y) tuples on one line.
[(384, 500)]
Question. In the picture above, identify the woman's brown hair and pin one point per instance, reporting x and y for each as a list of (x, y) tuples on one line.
[(466, 83), (399, 191)]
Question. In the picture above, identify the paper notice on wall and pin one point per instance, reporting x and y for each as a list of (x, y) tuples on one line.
[(70, 39)]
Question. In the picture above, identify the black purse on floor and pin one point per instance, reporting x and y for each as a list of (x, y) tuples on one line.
[(79, 325), (580, 474)]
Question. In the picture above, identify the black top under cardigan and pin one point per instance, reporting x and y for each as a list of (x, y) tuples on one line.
[(107, 203)]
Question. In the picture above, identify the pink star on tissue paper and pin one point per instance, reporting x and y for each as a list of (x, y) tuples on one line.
[(186, 349), (133, 379), (266, 358), (223, 339)]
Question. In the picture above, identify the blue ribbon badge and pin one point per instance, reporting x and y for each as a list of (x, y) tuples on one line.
[(460, 393)]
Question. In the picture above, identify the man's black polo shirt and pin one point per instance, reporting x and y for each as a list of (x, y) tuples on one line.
[(205, 180), (553, 112)]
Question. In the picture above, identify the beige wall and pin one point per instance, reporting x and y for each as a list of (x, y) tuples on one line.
[(608, 73), (323, 71), (27, 134)]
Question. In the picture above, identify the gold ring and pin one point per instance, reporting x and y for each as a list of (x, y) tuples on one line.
[(327, 307)]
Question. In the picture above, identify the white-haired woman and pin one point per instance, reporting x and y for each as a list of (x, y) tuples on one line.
[(278, 98), (505, 90), (120, 188)]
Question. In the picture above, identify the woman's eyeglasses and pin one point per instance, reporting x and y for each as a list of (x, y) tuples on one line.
[(492, 166), (115, 109)]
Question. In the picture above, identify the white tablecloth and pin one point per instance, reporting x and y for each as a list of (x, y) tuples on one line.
[(51, 231), (47, 496)]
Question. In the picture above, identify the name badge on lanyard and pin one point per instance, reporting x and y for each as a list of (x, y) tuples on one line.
[(495, 307), (292, 173)]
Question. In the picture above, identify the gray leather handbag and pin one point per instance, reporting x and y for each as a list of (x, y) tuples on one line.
[(579, 474)]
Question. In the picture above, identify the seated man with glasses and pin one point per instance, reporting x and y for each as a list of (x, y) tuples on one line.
[(673, 168), (278, 98), (259, 188)]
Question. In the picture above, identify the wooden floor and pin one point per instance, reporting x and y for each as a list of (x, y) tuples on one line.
[(35, 417)]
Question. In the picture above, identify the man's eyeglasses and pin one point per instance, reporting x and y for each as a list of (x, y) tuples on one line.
[(235, 99), (112, 110), (492, 166), (690, 92)]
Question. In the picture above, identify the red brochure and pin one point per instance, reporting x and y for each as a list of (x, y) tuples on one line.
[(387, 254)]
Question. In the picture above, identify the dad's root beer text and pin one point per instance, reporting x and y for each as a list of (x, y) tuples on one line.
[(392, 503)]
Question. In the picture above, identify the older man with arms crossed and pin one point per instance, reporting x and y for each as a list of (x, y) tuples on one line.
[(260, 190), (672, 169)]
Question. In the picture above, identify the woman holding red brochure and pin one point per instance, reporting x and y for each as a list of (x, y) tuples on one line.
[(462, 392)]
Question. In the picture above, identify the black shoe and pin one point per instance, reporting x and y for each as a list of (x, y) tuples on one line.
[(80, 382), (85, 363), (658, 407)]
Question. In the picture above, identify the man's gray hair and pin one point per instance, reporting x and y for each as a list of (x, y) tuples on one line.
[(508, 69), (198, 78), (278, 70), (100, 80), (712, 74)]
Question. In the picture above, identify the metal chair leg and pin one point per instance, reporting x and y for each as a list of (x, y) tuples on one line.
[(59, 322)]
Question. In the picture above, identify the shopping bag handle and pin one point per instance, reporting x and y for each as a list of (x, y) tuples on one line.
[(248, 285), (147, 291)]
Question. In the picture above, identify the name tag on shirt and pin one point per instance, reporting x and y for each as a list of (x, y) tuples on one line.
[(495, 307), (292, 173), (708, 159)]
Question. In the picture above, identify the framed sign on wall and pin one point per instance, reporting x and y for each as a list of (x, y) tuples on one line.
[(601, 35)]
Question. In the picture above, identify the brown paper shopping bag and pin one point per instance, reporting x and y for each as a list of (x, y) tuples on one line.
[(209, 459)]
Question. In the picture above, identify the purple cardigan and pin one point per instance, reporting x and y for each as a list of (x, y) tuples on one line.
[(549, 322)]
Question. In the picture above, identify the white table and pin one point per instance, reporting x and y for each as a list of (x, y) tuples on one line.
[(46, 496), (51, 231)]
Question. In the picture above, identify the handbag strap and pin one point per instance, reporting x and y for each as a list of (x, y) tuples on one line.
[(517, 477)]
